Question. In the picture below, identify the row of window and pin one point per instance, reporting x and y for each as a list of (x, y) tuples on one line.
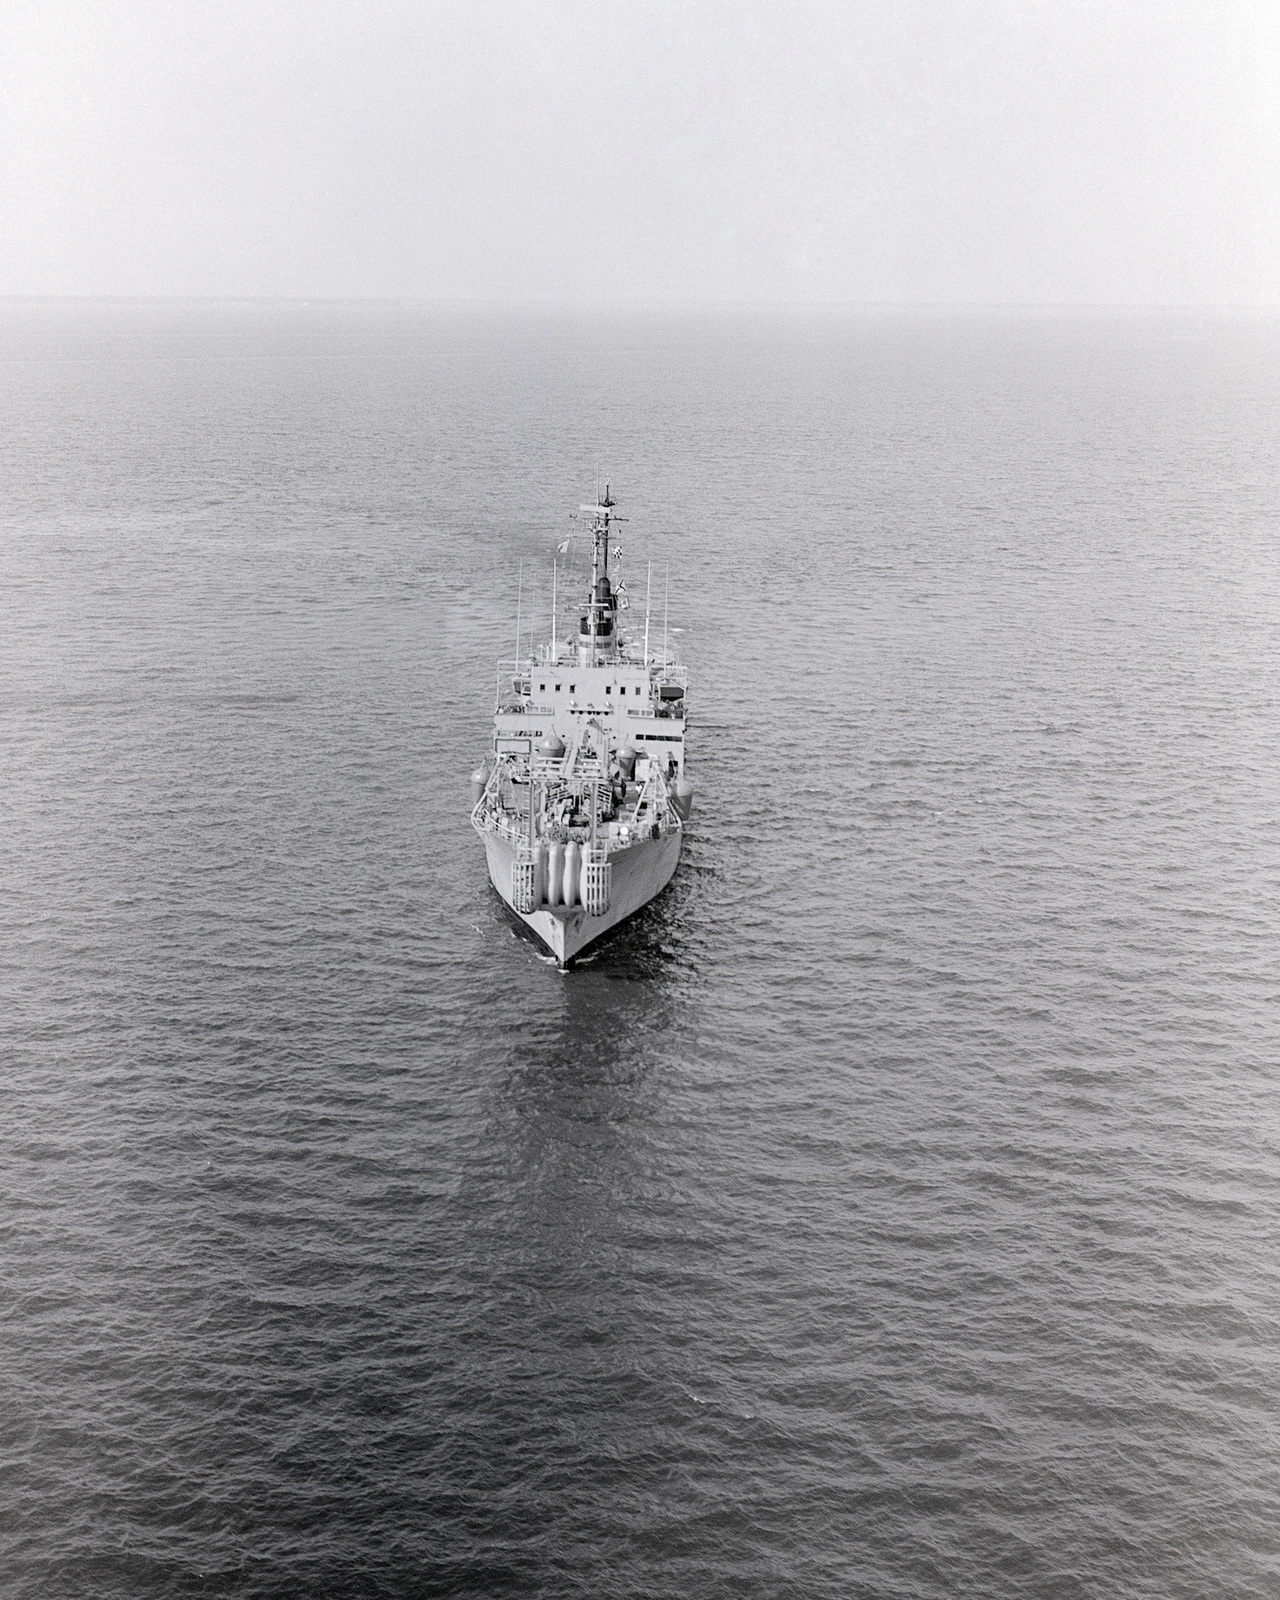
[(573, 688)]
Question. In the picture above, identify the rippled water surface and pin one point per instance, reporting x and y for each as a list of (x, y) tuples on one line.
[(892, 1210)]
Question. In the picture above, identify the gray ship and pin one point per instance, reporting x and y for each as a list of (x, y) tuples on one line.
[(582, 802)]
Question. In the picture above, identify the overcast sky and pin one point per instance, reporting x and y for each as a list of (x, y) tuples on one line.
[(891, 150)]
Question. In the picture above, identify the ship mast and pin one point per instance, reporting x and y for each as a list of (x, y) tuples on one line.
[(600, 598), (599, 563)]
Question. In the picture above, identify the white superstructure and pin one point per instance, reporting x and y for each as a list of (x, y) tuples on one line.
[(583, 801)]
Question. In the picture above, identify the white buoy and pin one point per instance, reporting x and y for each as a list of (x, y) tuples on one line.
[(572, 867), (555, 874), (540, 856)]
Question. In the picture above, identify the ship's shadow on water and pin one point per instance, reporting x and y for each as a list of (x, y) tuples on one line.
[(584, 1065), (595, 1029), (577, 1221)]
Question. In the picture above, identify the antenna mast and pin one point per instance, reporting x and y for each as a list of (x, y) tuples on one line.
[(595, 572), (599, 560), (519, 600), (648, 585)]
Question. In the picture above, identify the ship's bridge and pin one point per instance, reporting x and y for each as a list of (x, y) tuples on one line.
[(641, 703), (632, 691)]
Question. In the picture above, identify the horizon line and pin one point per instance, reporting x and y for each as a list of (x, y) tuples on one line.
[(652, 304)]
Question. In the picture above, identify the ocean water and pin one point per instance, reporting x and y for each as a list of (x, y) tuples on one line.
[(891, 1210)]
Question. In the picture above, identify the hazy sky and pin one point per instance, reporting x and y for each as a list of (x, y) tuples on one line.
[(901, 150)]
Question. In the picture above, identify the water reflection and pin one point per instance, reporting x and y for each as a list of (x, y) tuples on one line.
[(581, 1097)]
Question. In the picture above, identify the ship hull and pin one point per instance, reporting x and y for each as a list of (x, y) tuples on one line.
[(639, 873)]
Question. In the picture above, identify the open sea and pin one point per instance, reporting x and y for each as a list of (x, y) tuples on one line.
[(890, 1212)]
